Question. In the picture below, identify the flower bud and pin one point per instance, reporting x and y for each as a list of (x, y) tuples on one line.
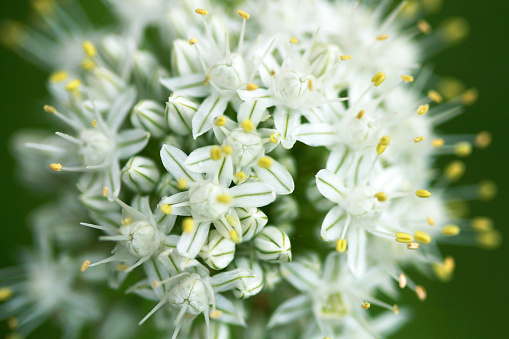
[(273, 245), (332, 56), (150, 116), (179, 113), (193, 290), (285, 209), (167, 186), (147, 73), (218, 252), (114, 49), (184, 58), (250, 285), (105, 83), (145, 239), (252, 221), (140, 174)]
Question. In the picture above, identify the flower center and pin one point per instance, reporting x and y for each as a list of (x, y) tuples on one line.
[(229, 76), (360, 202), (193, 290), (290, 87), (145, 239), (204, 201), (247, 147), (96, 148), (334, 306)]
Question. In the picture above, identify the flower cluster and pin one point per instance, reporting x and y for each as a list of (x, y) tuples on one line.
[(248, 168)]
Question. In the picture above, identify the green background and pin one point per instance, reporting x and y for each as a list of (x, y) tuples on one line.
[(474, 304)]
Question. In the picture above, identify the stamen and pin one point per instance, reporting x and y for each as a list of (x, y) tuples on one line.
[(294, 40), (418, 139), (58, 76), (193, 41), (228, 150), (85, 265), (451, 230), (423, 109), (224, 198), (234, 236), (73, 85), (361, 114), (430, 221), (381, 196), (482, 224), (424, 26), (422, 237), (247, 125), (395, 309), (56, 167), (463, 149), (89, 49), (345, 57), (274, 138), (129, 220), (366, 305), (94, 123), (382, 37), (435, 96), (470, 97), (483, 139), (215, 314), (382, 144), (201, 11), (402, 280), (341, 245), (378, 78), (240, 176), (166, 209), (105, 191), (487, 190), (50, 109), (187, 225), (423, 194), (436, 143), (407, 78), (5, 293), (265, 162), (455, 170), (220, 121), (182, 184), (421, 292), (404, 237), (413, 246), (215, 153), (489, 240), (231, 220), (252, 87)]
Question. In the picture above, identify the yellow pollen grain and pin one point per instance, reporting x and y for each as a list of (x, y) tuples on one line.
[(50, 109), (244, 15), (449, 263), (407, 78), (482, 224), (341, 245), (166, 209), (463, 149), (206, 82), (381, 196), (240, 176), (126, 221), (361, 114), (231, 220), (5, 293), (413, 246), (451, 230), (187, 225), (234, 236), (489, 240), (94, 123), (437, 142), (382, 37), (395, 309), (182, 184), (455, 170), (73, 85), (247, 125), (121, 267), (215, 153), (226, 149), (430, 221), (402, 280), (273, 138), (424, 26), (215, 314), (252, 87), (58, 77), (85, 265), (224, 198), (56, 167), (423, 109), (311, 85), (454, 29), (220, 121), (422, 237), (88, 64), (470, 97), (382, 144), (487, 190), (193, 41), (483, 139), (345, 57), (201, 11), (418, 139), (378, 78), (265, 162), (89, 49), (435, 96), (421, 292), (404, 237), (294, 40), (385, 140), (366, 305), (105, 191), (423, 194)]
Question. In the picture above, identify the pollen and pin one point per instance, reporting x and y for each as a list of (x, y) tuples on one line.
[(73, 85), (228, 150), (451, 230), (206, 82), (455, 170), (483, 139), (378, 78), (382, 37), (422, 237), (435, 96), (126, 221), (418, 139), (220, 121), (234, 236), (240, 176), (423, 109), (273, 138), (463, 149), (382, 144), (105, 191), (402, 280), (381, 196), (56, 167), (430, 221), (395, 309), (424, 26), (413, 246), (252, 87), (421, 292), (244, 15), (215, 153), (5, 293), (341, 245), (361, 114), (89, 49), (482, 224), (224, 198), (489, 240), (345, 57), (407, 78), (58, 77), (294, 40), (201, 11), (404, 237), (247, 125), (215, 314), (487, 190), (182, 184), (193, 41), (366, 305), (85, 265), (423, 194), (187, 225), (166, 209), (50, 109), (265, 162), (311, 84), (438, 142)]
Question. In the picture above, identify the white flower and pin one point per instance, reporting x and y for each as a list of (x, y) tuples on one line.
[(140, 174)]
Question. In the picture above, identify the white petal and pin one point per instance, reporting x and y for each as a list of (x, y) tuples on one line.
[(357, 242), (190, 244), (330, 185), (131, 141), (265, 133), (291, 310), (339, 158), (191, 85), (174, 200), (277, 176), (211, 108), (231, 279), (301, 277), (112, 178), (258, 94), (287, 121), (120, 108), (174, 161), (252, 195), (251, 110), (317, 134), (333, 224), (199, 160), (230, 313)]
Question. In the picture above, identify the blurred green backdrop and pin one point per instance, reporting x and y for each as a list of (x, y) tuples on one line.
[(473, 305)]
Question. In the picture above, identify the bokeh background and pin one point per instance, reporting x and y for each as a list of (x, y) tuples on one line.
[(474, 303)]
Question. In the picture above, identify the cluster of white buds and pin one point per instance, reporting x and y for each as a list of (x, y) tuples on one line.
[(196, 186)]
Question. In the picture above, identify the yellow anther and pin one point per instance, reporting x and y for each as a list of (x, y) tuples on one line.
[(234, 236), (105, 191), (489, 240), (407, 78), (12, 323), (413, 246), (423, 194), (421, 292), (56, 167), (94, 123), (187, 225), (381, 196), (395, 309), (451, 88), (224, 198), (361, 114), (12, 33), (247, 125), (423, 109), (382, 144), (85, 265), (449, 263), (166, 209), (422, 237), (378, 78), (240, 176), (386, 140), (215, 314), (88, 64), (121, 267), (311, 84), (244, 15), (226, 149), (470, 97), (50, 109), (182, 184), (345, 57), (444, 270), (435, 96), (206, 82), (89, 49), (265, 162), (193, 41), (418, 139), (402, 280), (220, 121), (215, 153), (5, 293), (463, 149), (404, 237), (341, 245), (430, 221), (382, 37), (73, 85), (156, 283), (455, 170), (487, 190), (58, 76), (273, 138), (201, 11), (366, 305), (126, 221), (252, 87), (438, 142), (454, 29), (451, 230), (482, 224), (424, 26), (231, 220), (294, 40), (483, 139)]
